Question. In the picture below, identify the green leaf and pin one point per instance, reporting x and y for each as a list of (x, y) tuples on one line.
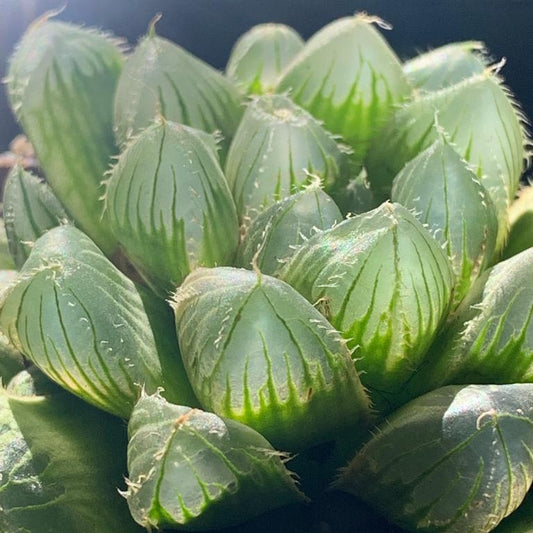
[(30, 209), (170, 207), (192, 470), (261, 54), (521, 222), (385, 284), (61, 83), (458, 459), (348, 77), (257, 352), (85, 325)]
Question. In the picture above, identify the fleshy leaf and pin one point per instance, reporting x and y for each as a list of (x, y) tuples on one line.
[(30, 209), (278, 150), (458, 459), (385, 284), (61, 83), (170, 207), (191, 470), (348, 77), (257, 352), (446, 65), (521, 222), (447, 197), (85, 325), (276, 232), (260, 55)]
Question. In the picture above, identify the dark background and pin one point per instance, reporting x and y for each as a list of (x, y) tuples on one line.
[(208, 28)]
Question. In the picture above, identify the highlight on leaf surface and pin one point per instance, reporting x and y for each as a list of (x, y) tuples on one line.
[(85, 325), (446, 65), (257, 352), (447, 197), (456, 459), (61, 84), (490, 339), (261, 54), (278, 150), (348, 77), (60, 463), (191, 470), (274, 234), (385, 284), (30, 209), (160, 77), (169, 205)]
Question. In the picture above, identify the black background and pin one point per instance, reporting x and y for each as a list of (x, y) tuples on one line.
[(208, 28)]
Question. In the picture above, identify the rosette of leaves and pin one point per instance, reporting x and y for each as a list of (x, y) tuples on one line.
[(521, 224), (61, 83), (30, 209), (160, 77), (169, 205), (272, 361), (385, 283), (278, 150), (192, 470), (260, 55), (446, 195), (274, 234), (456, 459), (348, 77), (446, 65), (60, 463), (490, 339), (85, 325), (480, 120)]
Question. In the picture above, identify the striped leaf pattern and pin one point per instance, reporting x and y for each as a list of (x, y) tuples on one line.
[(170, 206), (61, 83), (385, 284), (272, 362), (191, 469)]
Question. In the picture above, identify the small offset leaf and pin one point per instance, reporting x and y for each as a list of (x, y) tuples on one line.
[(274, 234), (191, 470), (257, 352), (30, 209), (278, 150), (85, 325), (447, 197), (61, 462), (385, 284), (458, 459), (61, 83), (160, 77), (446, 65), (490, 339), (261, 54), (348, 77), (170, 207)]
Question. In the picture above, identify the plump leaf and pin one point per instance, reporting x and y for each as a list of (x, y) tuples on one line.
[(257, 352), (30, 209), (446, 65), (521, 222), (192, 470), (275, 233), (161, 77), (490, 339), (278, 149), (385, 284), (61, 462), (348, 77), (458, 459), (61, 83), (170, 206), (85, 325), (446, 196), (260, 55)]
